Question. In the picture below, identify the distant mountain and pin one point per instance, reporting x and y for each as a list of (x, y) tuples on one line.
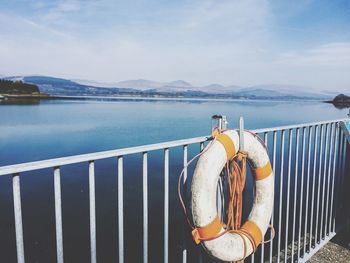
[(219, 89), (60, 86), (155, 86), (180, 83), (139, 84), (178, 88), (93, 83), (280, 91)]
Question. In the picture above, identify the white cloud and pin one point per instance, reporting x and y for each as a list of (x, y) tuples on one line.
[(327, 55), (68, 6), (227, 42)]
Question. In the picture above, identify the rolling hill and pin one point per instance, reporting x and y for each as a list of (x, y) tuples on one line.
[(178, 88)]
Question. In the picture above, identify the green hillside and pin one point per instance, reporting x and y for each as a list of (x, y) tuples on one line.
[(17, 88)]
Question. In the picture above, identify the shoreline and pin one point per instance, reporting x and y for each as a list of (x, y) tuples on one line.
[(4, 97), (24, 96)]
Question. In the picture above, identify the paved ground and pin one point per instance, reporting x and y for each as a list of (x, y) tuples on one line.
[(338, 250)]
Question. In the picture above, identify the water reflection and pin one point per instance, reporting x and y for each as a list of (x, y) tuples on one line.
[(20, 101)]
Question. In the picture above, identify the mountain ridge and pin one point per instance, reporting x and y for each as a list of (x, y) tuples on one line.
[(177, 88)]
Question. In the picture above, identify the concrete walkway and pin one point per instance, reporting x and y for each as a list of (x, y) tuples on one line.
[(337, 250)]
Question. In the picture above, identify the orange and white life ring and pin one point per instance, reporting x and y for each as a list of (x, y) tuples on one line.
[(231, 246)]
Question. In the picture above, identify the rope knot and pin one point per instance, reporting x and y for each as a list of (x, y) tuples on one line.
[(242, 155)]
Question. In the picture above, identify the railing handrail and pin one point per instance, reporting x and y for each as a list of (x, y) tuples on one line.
[(294, 126), (56, 162), (49, 163)]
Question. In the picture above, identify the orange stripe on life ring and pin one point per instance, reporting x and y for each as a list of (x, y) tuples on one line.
[(208, 231), (254, 231), (263, 172), (226, 141)]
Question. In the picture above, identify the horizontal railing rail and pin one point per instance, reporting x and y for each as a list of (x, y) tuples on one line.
[(30, 166), (309, 162)]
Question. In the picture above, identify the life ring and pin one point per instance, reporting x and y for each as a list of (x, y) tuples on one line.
[(209, 230)]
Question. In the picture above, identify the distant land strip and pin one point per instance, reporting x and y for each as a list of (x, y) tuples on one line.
[(340, 101), (43, 87)]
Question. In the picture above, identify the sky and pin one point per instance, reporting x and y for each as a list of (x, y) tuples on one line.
[(230, 42)]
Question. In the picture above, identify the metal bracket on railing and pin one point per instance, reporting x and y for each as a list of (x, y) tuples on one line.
[(241, 134), (219, 121)]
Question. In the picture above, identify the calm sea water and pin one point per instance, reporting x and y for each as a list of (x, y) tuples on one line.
[(60, 128), (50, 129)]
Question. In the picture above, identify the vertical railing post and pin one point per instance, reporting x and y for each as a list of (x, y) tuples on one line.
[(166, 205), (347, 180), (241, 134), (201, 146), (120, 211), (319, 184), (16, 188), (338, 177), (290, 140), (145, 206), (200, 260), (313, 186), (302, 191), (273, 207), (326, 159), (335, 156), (308, 185), (58, 214), (281, 198), (344, 181), (184, 251), (262, 258), (331, 151), (296, 174), (92, 211)]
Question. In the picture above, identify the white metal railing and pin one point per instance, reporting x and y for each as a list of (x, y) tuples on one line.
[(309, 170)]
